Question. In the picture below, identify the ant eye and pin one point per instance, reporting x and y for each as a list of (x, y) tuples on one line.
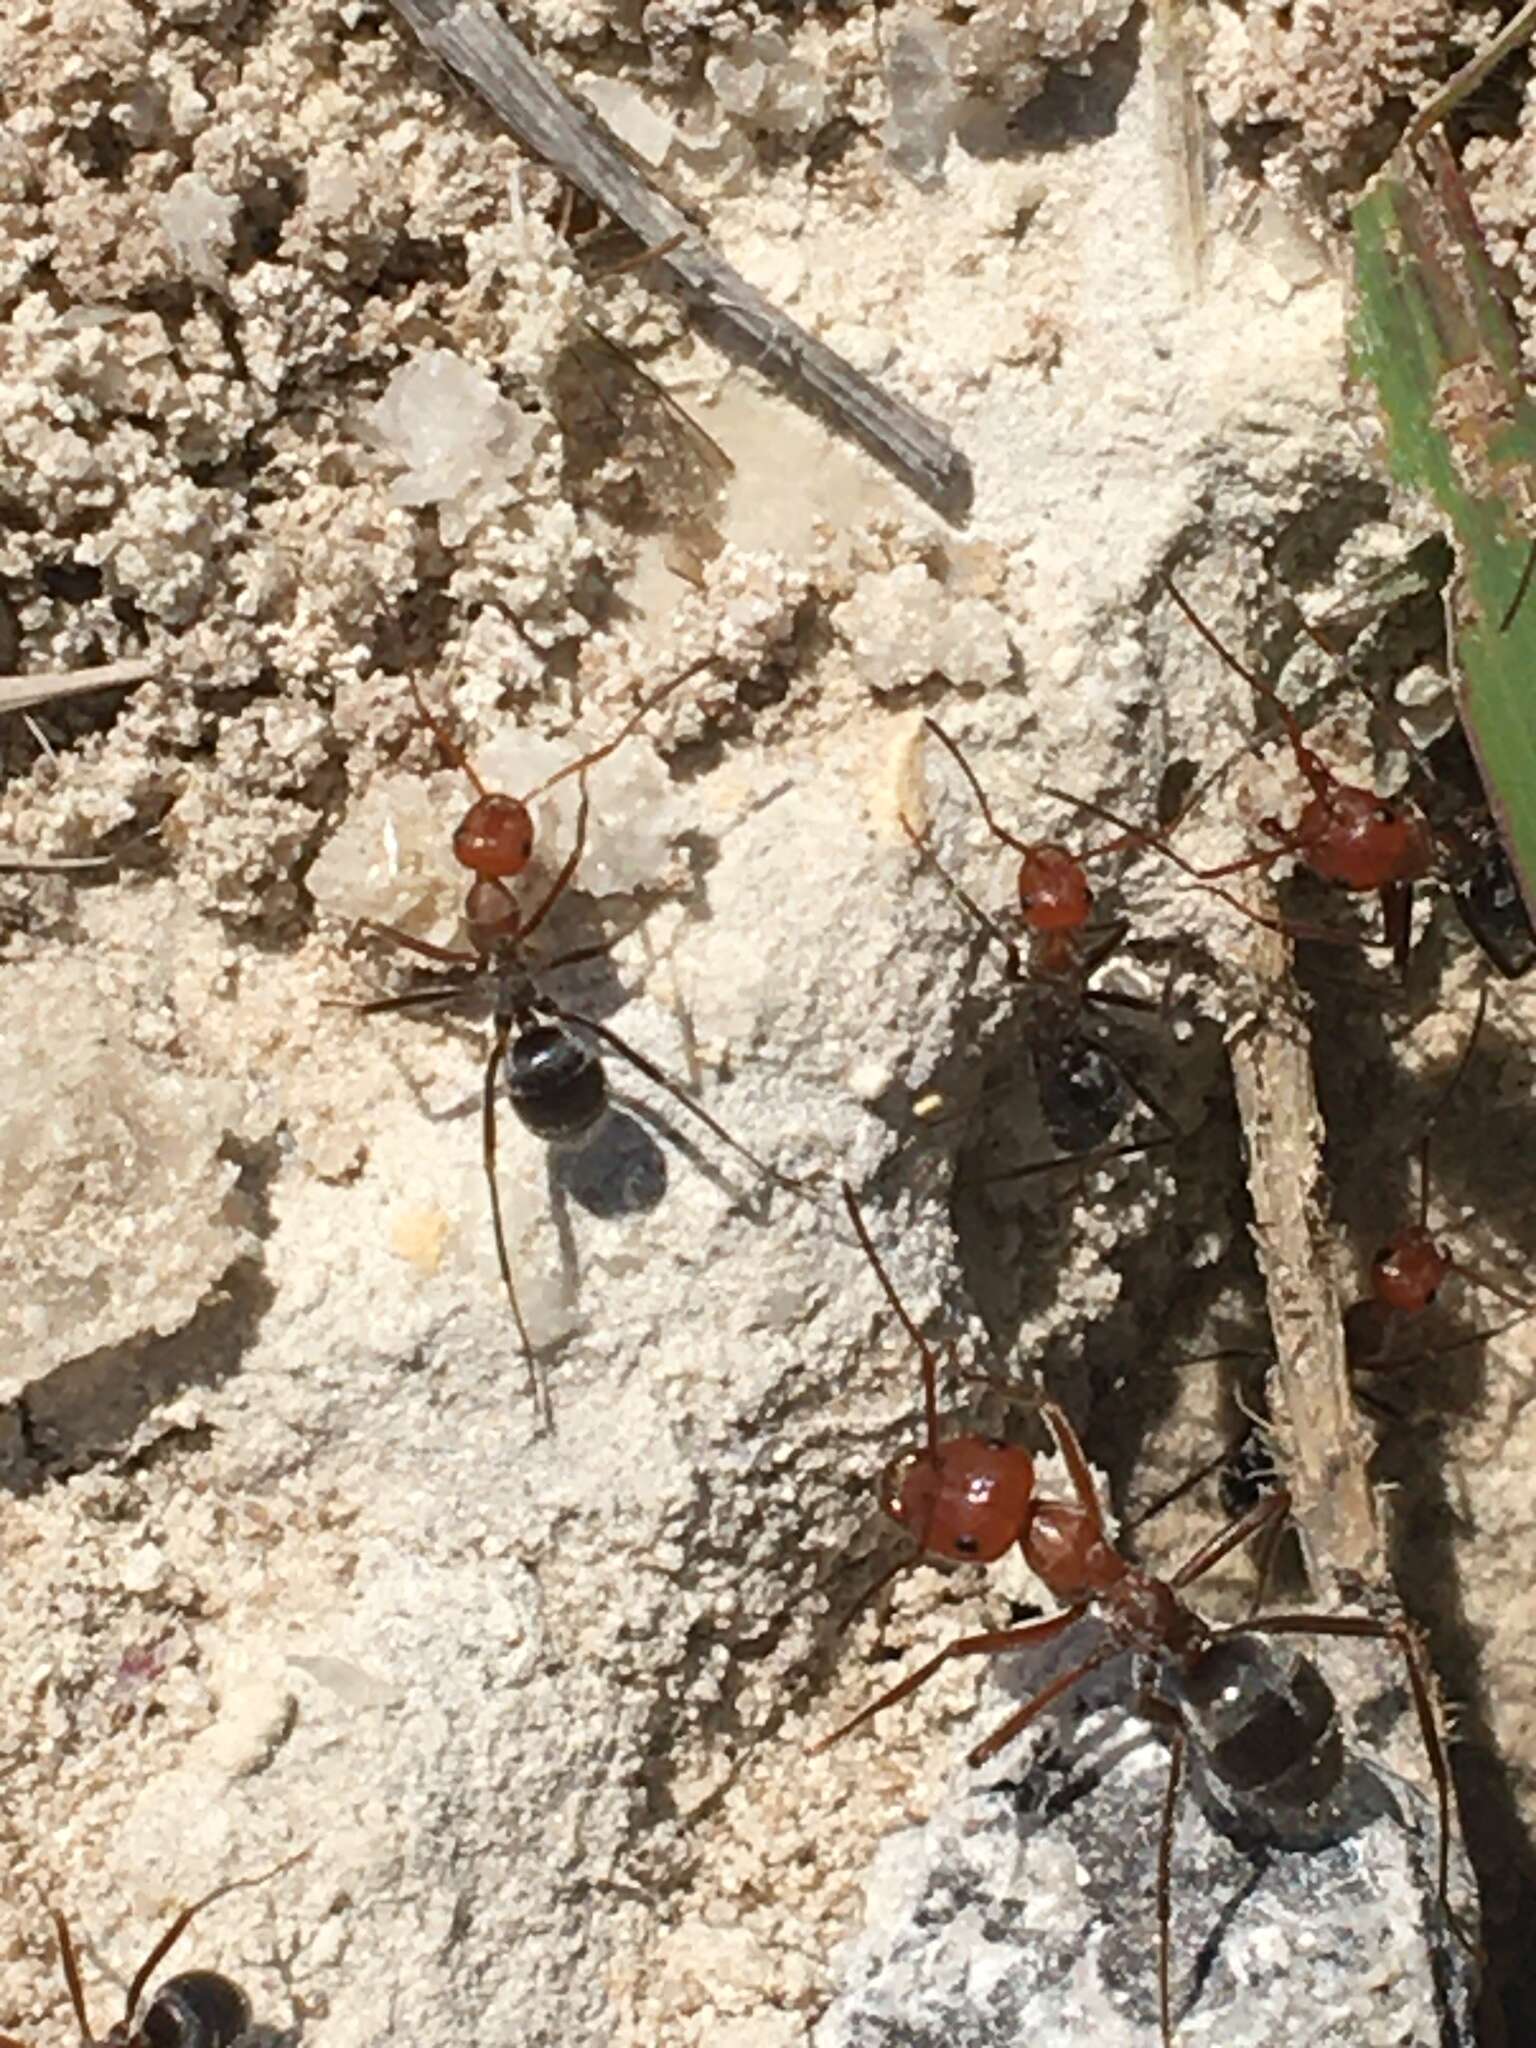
[(966, 1545)]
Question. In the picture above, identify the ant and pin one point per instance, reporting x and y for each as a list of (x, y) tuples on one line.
[(1347, 835), (1262, 1722), (197, 2009), (1083, 1088), (1409, 1270), (1355, 839), (554, 1077)]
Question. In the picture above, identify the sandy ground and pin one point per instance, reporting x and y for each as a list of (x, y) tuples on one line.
[(290, 1565)]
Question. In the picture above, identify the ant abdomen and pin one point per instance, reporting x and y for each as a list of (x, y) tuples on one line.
[(1082, 1097), (966, 1500), (1267, 1735), (198, 2009), (555, 1083), (1493, 909)]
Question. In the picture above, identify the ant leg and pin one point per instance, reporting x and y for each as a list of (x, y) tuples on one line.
[(413, 999), (1132, 1149), (1201, 1472), (695, 429), (445, 956), (1397, 925), (951, 747), (1419, 1685), (184, 1919), (903, 1316), (657, 696), (1159, 1710), (989, 925), (1272, 1509), (1071, 1449), (71, 1967), (567, 873), (652, 1072), (1159, 842), (1479, 1277), (1000, 1738), (995, 1643), (538, 1391)]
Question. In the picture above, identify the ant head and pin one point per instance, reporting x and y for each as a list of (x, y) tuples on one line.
[(1409, 1271), (1053, 890), (495, 838), (1361, 840), (967, 1500)]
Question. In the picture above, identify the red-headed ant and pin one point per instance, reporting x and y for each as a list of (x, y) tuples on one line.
[(1408, 1271), (1084, 1090), (1261, 1719), (554, 1077), (197, 2009), (1346, 834)]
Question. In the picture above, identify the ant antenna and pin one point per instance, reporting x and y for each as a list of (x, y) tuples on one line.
[(657, 696), (998, 831), (930, 1367), (1259, 684), (69, 1958)]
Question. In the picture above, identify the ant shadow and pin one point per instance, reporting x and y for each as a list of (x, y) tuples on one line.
[(620, 1170)]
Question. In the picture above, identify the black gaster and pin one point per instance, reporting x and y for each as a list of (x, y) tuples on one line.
[(555, 1083), (1268, 1732), (1082, 1096), (198, 2009), (1493, 909)]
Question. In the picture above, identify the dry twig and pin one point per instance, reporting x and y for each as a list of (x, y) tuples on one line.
[(1326, 1448), (20, 693), (472, 40)]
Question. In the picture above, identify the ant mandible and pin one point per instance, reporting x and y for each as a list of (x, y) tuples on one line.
[(1083, 1087), (1346, 834), (1264, 1724), (197, 2009), (554, 1079)]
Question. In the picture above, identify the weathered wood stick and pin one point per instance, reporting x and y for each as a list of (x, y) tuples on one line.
[(472, 40)]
